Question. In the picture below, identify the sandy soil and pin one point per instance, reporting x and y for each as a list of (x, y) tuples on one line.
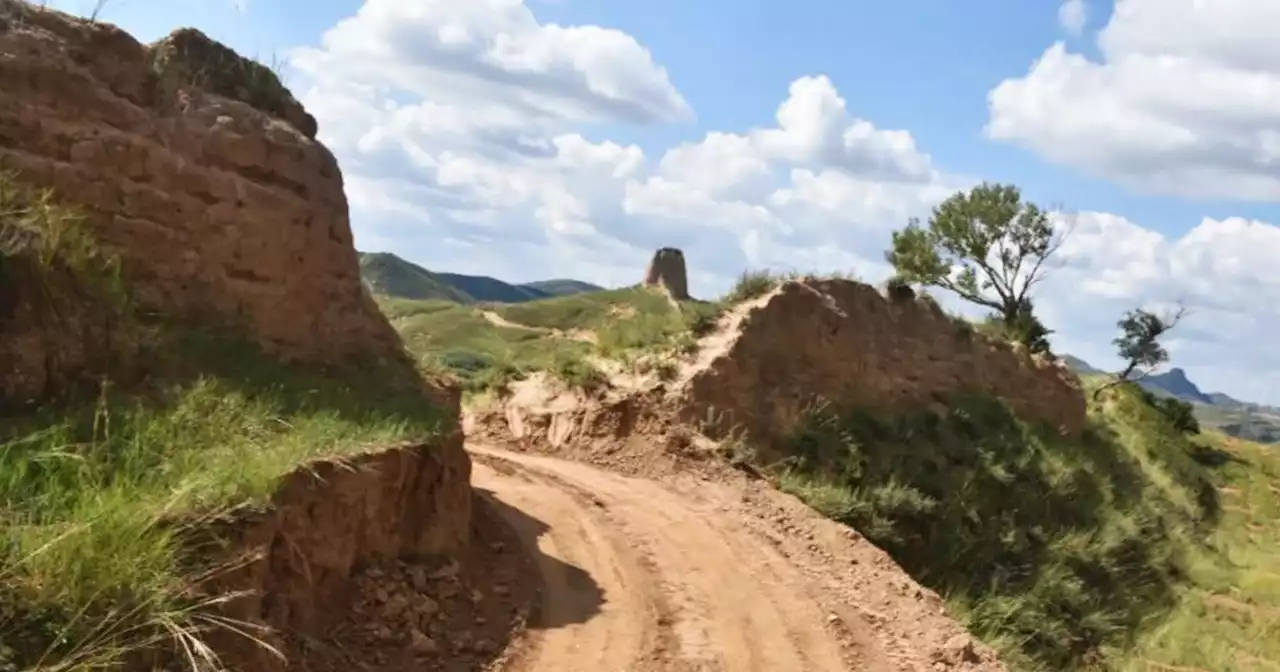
[(689, 574)]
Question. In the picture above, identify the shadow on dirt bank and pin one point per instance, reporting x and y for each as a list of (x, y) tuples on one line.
[(476, 605), (579, 597)]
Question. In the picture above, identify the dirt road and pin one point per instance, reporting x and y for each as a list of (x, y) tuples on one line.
[(691, 575)]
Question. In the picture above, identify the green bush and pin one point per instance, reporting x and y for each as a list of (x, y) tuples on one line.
[(1181, 414), (751, 285)]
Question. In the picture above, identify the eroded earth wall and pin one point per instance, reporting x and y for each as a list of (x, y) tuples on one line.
[(844, 342), (198, 168)]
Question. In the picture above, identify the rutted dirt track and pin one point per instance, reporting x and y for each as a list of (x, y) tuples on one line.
[(690, 575)]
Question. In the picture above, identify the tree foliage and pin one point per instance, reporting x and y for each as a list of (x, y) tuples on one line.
[(1139, 343), (987, 246)]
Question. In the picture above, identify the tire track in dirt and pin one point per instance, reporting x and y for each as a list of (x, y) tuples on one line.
[(686, 586), (583, 623)]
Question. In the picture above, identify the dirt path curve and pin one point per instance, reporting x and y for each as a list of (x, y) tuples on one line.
[(643, 576), (497, 320)]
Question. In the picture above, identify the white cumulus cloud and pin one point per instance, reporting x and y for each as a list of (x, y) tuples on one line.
[(1072, 15), (474, 138), (1185, 99)]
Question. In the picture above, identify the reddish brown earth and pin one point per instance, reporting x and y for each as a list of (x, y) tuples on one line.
[(695, 573)]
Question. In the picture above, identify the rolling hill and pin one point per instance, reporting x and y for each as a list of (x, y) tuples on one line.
[(1241, 419), (388, 274)]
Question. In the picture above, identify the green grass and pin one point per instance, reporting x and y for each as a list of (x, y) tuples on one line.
[(40, 238), (625, 321), (617, 324), (1064, 553), (753, 284), (1228, 614), (459, 340), (98, 491), (92, 565)]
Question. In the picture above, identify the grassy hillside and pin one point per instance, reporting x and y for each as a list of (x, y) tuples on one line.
[(1118, 550), (98, 491), (389, 275), (1214, 410), (561, 287), (557, 335)]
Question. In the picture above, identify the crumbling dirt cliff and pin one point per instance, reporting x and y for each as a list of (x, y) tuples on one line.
[(194, 178), (299, 562), (845, 343), (772, 358), (199, 169)]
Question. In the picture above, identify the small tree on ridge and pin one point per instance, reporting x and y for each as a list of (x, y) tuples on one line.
[(1139, 344), (987, 246)]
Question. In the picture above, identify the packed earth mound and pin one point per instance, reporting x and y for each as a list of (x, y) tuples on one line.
[(843, 341), (771, 358), (196, 167), (667, 270)]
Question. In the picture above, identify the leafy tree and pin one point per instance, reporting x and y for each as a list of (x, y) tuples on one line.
[(987, 246), (1139, 343)]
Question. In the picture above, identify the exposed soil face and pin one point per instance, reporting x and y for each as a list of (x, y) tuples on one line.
[(332, 536), (844, 342), (699, 574), (426, 613), (199, 169)]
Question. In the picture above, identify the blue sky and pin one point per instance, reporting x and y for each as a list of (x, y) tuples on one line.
[(1154, 125)]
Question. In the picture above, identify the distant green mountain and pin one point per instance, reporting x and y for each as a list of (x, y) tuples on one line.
[(1078, 365), (1243, 419), (385, 273), (1175, 383), (388, 274), (562, 287)]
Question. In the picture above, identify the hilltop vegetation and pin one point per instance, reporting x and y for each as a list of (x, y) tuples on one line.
[(1052, 548), (488, 347), (389, 275), (1215, 410)]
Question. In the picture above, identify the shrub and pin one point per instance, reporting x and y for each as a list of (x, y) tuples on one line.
[(751, 285)]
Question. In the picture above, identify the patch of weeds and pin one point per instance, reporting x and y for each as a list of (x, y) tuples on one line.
[(87, 573), (751, 285), (703, 324), (898, 289), (737, 451), (666, 370), (53, 240), (578, 372), (188, 57)]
